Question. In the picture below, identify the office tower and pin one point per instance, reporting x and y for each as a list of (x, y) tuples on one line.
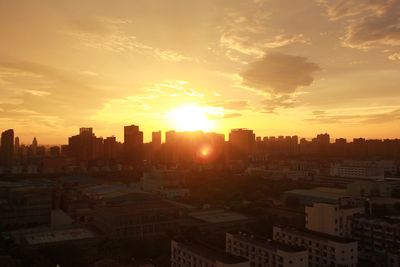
[(7, 147), (16, 148), (34, 147), (110, 148), (156, 139), (55, 151), (242, 143), (133, 144), (85, 146)]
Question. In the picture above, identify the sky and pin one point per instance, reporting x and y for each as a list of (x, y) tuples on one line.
[(278, 67)]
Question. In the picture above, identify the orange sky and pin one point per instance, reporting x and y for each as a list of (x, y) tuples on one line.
[(278, 67)]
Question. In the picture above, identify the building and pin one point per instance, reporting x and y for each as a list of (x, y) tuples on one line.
[(156, 139), (378, 238), (323, 249), (85, 146), (110, 148), (190, 253), (363, 169), (323, 195), (333, 219), (241, 143), (133, 144), (24, 205), (265, 253), (169, 183), (144, 219), (7, 148)]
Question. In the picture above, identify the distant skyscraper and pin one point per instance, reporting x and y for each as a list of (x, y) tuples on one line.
[(133, 144), (34, 147), (7, 148), (16, 148), (242, 143), (156, 139), (85, 146), (110, 147)]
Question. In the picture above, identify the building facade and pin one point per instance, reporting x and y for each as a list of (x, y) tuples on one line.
[(265, 253)]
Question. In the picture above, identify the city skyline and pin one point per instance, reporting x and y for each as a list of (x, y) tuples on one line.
[(279, 68)]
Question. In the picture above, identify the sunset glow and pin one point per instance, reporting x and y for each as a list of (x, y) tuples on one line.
[(191, 118)]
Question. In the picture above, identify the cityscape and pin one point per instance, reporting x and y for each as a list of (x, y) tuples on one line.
[(200, 200), (208, 133)]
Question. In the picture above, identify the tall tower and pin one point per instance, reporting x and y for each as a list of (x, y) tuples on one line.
[(16, 148), (34, 146), (133, 144), (7, 148)]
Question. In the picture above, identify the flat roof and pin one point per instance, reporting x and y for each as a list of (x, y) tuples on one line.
[(209, 253), (53, 236), (317, 194), (266, 243), (317, 235), (218, 216)]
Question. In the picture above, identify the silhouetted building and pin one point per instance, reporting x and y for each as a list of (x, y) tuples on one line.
[(110, 148), (242, 143), (16, 148), (54, 151), (7, 148), (156, 139), (85, 146), (133, 144)]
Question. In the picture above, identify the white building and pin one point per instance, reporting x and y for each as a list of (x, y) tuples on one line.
[(323, 249), (265, 253), (363, 169), (332, 219), (190, 254)]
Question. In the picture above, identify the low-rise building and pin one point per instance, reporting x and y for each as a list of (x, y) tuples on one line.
[(190, 253), (24, 205), (265, 253), (140, 220), (323, 249)]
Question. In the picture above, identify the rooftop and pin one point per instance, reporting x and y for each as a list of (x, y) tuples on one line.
[(209, 253), (266, 243), (53, 236), (218, 216), (316, 235)]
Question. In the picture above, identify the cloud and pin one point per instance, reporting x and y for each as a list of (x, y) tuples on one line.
[(323, 117), (369, 23), (394, 57), (230, 104), (273, 102), (108, 34), (247, 31), (280, 73)]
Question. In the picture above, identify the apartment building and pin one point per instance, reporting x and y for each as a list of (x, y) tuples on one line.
[(193, 254), (323, 249), (265, 253), (378, 238), (332, 219)]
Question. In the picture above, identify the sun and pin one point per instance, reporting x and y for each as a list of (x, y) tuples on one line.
[(191, 118)]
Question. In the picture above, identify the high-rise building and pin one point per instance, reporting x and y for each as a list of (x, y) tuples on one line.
[(16, 148), (156, 139), (34, 147), (242, 143), (85, 146), (7, 147), (133, 144), (110, 147)]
